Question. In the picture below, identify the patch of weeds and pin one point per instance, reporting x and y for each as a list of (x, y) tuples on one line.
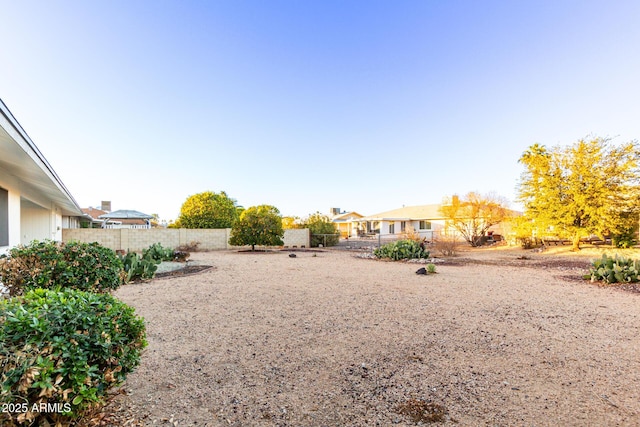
[(422, 411)]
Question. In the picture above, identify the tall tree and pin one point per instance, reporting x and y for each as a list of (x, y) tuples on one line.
[(258, 225), (474, 214), (209, 210), (588, 188)]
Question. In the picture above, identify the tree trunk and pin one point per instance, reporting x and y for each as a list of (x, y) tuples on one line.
[(253, 248), (576, 243)]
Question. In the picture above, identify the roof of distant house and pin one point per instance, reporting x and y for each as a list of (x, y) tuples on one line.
[(125, 214), (346, 216), (93, 212)]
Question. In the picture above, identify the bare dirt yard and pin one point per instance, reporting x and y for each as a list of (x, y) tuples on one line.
[(496, 337)]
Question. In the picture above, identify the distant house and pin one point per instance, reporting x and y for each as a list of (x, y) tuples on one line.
[(346, 222), (34, 203), (425, 220), (91, 219), (125, 219)]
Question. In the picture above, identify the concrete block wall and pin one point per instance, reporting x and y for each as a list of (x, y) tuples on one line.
[(210, 240), (300, 238), (139, 239), (108, 238)]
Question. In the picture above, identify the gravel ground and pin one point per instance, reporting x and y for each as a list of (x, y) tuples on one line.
[(327, 339)]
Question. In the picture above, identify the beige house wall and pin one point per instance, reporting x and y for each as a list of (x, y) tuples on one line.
[(139, 239)]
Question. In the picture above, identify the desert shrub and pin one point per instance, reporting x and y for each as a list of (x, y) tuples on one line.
[(447, 245), (189, 247), (64, 348), (181, 256), (625, 238), (48, 264), (401, 249), (411, 234), (529, 242), (614, 270), (158, 253), (431, 268), (137, 267)]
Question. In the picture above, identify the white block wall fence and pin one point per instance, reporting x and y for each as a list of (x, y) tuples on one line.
[(138, 239)]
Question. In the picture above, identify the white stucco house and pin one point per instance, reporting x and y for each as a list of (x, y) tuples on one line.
[(426, 220), (34, 203)]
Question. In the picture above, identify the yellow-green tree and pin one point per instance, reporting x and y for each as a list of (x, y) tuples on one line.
[(258, 225), (323, 230), (590, 187), (290, 222), (474, 214), (209, 210)]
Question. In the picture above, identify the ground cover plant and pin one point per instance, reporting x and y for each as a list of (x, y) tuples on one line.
[(401, 249), (63, 349), (49, 264)]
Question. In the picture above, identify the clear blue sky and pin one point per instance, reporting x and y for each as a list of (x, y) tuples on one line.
[(307, 105)]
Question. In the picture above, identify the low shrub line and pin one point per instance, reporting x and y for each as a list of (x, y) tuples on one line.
[(401, 249)]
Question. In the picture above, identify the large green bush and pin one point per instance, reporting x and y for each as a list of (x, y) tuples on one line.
[(64, 349), (323, 230), (48, 264), (401, 249)]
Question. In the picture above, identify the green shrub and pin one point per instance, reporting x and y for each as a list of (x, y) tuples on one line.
[(64, 348), (158, 253), (401, 249), (48, 264), (625, 238), (431, 268), (323, 230), (614, 270)]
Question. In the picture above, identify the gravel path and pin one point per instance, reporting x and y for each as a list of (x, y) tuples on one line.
[(326, 339)]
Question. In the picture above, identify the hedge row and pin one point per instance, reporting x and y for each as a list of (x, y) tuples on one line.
[(64, 340)]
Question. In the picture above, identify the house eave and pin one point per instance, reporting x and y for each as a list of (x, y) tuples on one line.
[(23, 160)]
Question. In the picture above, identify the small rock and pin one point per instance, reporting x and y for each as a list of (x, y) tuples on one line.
[(421, 271), (292, 255)]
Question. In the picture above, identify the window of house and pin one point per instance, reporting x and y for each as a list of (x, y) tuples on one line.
[(4, 217), (392, 228), (425, 225), (403, 226)]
